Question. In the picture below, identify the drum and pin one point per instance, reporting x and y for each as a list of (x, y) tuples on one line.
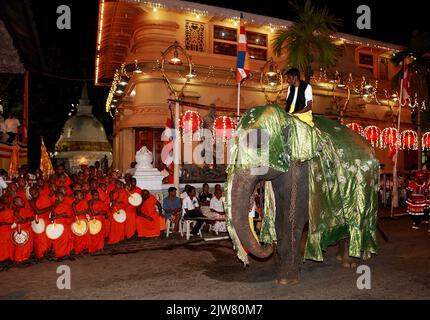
[(79, 228), (38, 226), (120, 216), (135, 199), (95, 226), (20, 237), (27, 193), (54, 230)]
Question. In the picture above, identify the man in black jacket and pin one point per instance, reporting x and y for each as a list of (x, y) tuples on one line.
[(299, 97)]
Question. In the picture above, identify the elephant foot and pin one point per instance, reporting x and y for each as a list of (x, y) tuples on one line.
[(349, 263), (285, 281)]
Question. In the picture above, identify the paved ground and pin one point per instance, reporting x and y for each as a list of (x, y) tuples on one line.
[(177, 269)]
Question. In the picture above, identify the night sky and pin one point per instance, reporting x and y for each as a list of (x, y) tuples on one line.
[(70, 53)]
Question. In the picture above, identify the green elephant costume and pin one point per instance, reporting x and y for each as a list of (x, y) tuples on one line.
[(343, 179)]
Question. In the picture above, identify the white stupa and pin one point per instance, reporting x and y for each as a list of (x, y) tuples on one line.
[(83, 140)]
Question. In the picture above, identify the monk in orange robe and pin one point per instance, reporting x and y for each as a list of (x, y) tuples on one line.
[(98, 210), (119, 199), (21, 191), (6, 220), (148, 218), (63, 215), (80, 210), (42, 206), (104, 197), (130, 223), (23, 217)]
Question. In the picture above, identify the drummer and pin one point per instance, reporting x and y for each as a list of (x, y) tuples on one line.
[(6, 220), (98, 210), (22, 218), (62, 215), (417, 191), (42, 206), (130, 223), (119, 200), (80, 210)]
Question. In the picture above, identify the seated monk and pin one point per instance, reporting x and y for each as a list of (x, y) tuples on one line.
[(80, 210), (148, 218), (23, 217), (6, 220), (62, 214), (98, 210)]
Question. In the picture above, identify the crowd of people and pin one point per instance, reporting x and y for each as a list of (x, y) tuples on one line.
[(414, 195), (63, 216)]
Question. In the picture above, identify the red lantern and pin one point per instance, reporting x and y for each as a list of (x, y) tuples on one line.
[(388, 137), (355, 127), (372, 133), (223, 127), (426, 140), (190, 121), (409, 139)]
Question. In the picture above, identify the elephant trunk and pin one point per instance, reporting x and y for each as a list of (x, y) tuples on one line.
[(242, 189)]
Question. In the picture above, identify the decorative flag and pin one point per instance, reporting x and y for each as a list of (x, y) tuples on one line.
[(45, 161), (406, 80), (242, 67), (14, 162)]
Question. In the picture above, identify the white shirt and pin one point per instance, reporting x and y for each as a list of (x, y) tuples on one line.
[(183, 195), (189, 204), (3, 185), (308, 94), (131, 171), (217, 205), (12, 125)]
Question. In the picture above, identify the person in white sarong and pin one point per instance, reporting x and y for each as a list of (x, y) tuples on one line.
[(217, 212)]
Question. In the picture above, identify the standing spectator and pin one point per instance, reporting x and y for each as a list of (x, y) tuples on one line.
[(12, 124)]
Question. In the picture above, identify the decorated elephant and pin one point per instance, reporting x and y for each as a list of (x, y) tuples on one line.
[(326, 175)]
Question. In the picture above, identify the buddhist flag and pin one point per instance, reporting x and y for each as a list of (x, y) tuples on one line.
[(14, 162), (406, 80), (242, 66), (45, 161)]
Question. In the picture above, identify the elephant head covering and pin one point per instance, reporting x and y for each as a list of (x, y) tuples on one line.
[(343, 179)]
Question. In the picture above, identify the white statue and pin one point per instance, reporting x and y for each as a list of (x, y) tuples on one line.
[(144, 158)]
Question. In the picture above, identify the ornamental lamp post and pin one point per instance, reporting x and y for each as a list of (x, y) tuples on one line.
[(176, 56), (271, 81)]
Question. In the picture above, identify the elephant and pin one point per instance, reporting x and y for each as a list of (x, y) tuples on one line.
[(299, 193)]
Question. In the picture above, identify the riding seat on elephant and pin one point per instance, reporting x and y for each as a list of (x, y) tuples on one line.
[(326, 175)]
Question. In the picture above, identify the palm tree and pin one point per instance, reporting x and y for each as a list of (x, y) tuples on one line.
[(308, 40)]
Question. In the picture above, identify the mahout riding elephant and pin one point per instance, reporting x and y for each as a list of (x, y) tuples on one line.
[(326, 175)]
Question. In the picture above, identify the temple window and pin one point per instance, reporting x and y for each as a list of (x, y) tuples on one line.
[(225, 41), (257, 45), (365, 61), (194, 36)]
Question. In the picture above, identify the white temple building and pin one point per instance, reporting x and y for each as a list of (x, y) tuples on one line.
[(83, 139)]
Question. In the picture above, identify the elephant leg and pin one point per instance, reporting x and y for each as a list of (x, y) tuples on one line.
[(343, 255), (294, 216)]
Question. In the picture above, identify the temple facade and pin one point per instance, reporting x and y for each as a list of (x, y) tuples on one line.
[(133, 34)]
